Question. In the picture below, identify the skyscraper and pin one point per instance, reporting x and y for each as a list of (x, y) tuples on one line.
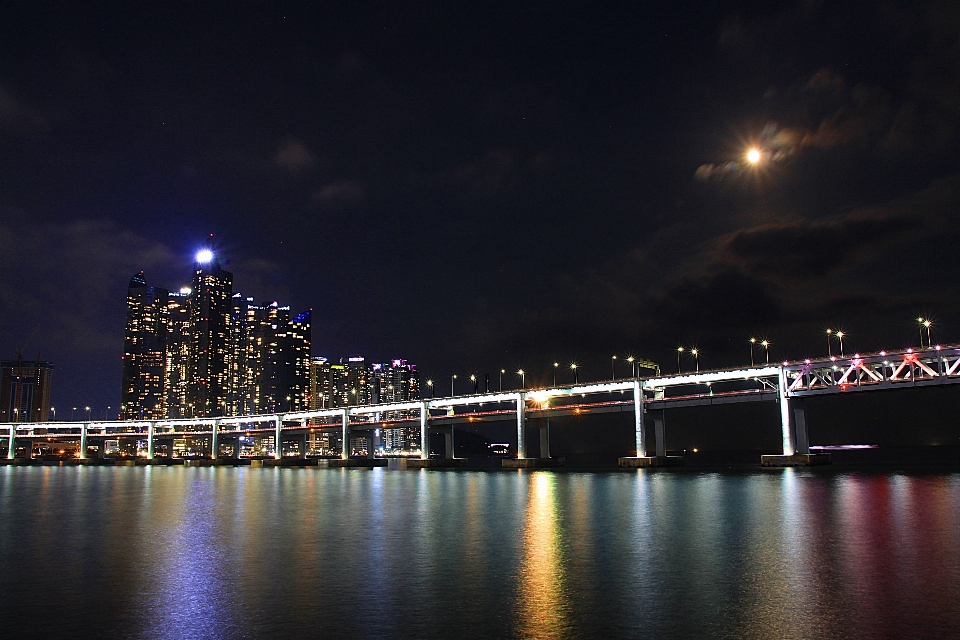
[(270, 365), (25, 390), (320, 387), (209, 349), (207, 352), (177, 365), (350, 382), (144, 351)]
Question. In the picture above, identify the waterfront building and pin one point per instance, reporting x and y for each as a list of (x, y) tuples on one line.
[(209, 350), (350, 382), (177, 356), (25, 390), (320, 390), (397, 381), (144, 351), (270, 367), (206, 352)]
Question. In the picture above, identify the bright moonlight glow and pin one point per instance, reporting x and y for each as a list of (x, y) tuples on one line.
[(753, 156), (204, 256)]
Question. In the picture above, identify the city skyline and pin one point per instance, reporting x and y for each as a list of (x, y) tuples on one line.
[(548, 186)]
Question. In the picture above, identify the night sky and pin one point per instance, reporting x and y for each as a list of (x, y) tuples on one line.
[(473, 186)]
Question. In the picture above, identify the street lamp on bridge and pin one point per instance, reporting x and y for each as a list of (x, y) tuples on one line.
[(452, 379), (696, 357), (633, 364), (766, 347), (430, 384), (555, 365), (613, 368), (576, 375), (523, 378), (925, 323), (680, 351), (753, 341)]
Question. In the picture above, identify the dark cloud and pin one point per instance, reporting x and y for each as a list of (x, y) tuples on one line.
[(335, 195), (294, 156), (16, 117)]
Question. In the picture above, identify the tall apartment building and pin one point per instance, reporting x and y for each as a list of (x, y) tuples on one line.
[(210, 347), (350, 382), (144, 351), (177, 356), (205, 351), (270, 371), (25, 390), (320, 394)]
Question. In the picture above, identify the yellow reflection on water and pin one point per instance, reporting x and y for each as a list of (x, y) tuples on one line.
[(542, 605)]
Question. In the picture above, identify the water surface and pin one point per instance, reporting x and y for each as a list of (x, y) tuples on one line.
[(241, 553)]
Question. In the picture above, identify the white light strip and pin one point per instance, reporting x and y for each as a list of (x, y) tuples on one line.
[(711, 376), (379, 408)]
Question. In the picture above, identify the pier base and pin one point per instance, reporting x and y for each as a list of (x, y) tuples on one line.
[(650, 461), (532, 463), (796, 460), (435, 463), (363, 463)]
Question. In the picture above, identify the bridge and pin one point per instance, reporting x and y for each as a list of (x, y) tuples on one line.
[(641, 396)]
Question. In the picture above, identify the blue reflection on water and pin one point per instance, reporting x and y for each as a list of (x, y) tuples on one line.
[(233, 553)]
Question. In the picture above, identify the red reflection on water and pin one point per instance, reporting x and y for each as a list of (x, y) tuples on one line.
[(895, 538)]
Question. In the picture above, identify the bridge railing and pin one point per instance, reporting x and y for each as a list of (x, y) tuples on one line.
[(886, 368)]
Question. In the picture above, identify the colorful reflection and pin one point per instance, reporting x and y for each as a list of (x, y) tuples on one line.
[(543, 608)]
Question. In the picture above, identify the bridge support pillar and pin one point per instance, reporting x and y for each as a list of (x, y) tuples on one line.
[(521, 423), (545, 439), (661, 459), (345, 449), (83, 441), (788, 439), (277, 438), (639, 426), (215, 440), (448, 443), (800, 423), (301, 439), (424, 431), (796, 444), (12, 443), (151, 428), (660, 435)]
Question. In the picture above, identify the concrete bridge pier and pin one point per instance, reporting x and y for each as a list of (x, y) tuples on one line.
[(301, 440), (545, 439), (425, 462), (642, 459), (12, 442), (522, 461), (448, 443), (215, 440), (796, 443)]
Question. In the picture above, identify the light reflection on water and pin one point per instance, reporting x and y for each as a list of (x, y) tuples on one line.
[(231, 553)]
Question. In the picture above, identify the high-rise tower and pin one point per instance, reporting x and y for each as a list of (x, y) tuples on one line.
[(144, 346), (209, 341), (25, 390)]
